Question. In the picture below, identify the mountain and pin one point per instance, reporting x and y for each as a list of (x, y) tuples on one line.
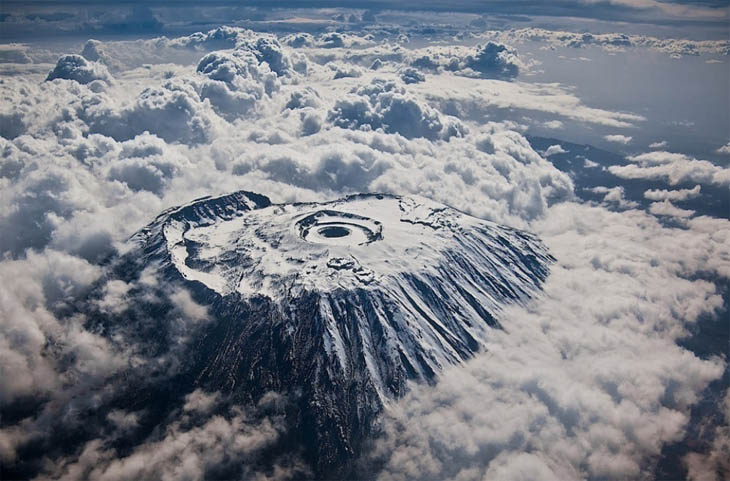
[(336, 304)]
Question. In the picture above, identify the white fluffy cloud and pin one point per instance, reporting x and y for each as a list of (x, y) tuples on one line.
[(615, 196), (618, 139), (587, 383), (220, 446), (666, 208), (715, 464), (476, 98), (555, 149), (491, 60), (672, 167), (675, 194), (387, 106), (76, 67), (611, 41)]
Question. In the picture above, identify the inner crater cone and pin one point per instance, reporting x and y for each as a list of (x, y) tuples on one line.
[(334, 227), (334, 231)]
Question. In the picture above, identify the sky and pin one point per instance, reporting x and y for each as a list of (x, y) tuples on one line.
[(602, 127)]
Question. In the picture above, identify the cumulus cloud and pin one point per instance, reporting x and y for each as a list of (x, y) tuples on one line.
[(95, 51), (555, 149), (76, 67), (237, 81), (14, 53), (341, 40), (713, 465), (615, 196), (491, 60), (385, 105), (662, 144), (618, 139), (611, 41), (200, 401), (343, 71), (174, 111), (725, 149), (223, 446), (673, 195), (412, 76), (296, 40), (585, 384), (672, 167), (666, 208)]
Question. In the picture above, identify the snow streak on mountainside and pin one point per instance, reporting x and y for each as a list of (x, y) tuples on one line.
[(346, 300)]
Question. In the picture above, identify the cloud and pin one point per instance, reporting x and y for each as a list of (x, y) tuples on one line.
[(94, 51), (341, 40), (725, 149), (342, 71), (237, 82), (143, 18), (122, 420), (672, 167), (659, 145), (76, 67), (230, 445), (174, 111), (200, 401), (14, 53), (267, 49), (491, 60), (615, 195), (677, 194), (611, 41), (297, 40), (471, 98), (587, 383), (44, 283), (713, 465), (666, 208), (412, 76), (385, 105), (555, 149), (618, 139)]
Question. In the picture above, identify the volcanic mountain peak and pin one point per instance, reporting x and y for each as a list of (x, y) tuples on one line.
[(242, 243), (428, 279), (342, 302)]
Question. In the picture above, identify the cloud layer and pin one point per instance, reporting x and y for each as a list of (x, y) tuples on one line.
[(586, 382)]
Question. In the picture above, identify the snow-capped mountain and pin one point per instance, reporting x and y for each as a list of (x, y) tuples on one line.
[(340, 303)]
